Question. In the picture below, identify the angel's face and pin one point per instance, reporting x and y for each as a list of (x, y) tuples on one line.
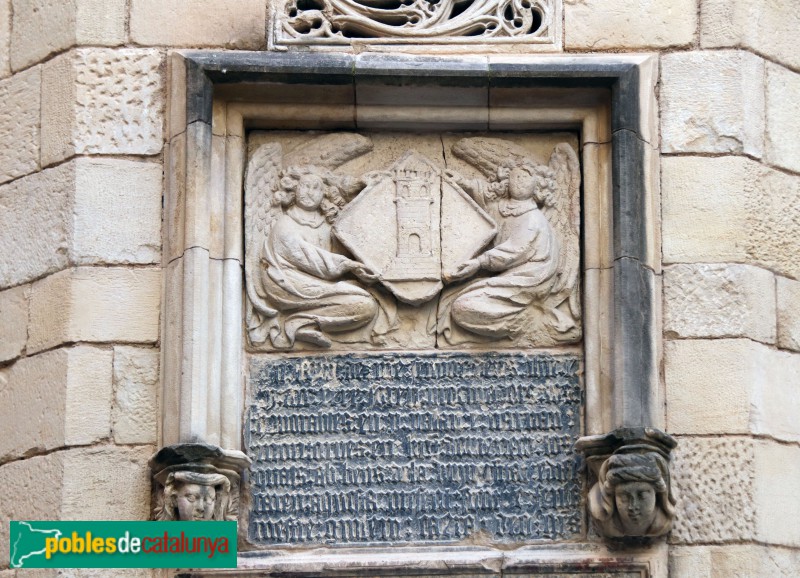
[(309, 193), (520, 184)]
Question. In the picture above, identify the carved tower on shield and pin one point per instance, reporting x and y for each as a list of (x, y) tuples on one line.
[(417, 256)]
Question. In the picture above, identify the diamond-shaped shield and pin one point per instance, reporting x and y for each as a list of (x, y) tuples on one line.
[(410, 225)]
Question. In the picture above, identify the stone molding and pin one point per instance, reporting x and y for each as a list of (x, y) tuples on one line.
[(216, 97)]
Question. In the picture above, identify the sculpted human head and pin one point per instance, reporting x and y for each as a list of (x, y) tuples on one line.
[(195, 496), (310, 189), (631, 497), (521, 183), (527, 180), (310, 192)]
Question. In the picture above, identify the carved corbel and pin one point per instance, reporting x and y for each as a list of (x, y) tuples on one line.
[(630, 494), (197, 482)]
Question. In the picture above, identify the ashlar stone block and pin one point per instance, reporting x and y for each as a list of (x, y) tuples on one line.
[(40, 28), (788, 301), (35, 225), (730, 209), (57, 398), (102, 101), (782, 147), (70, 214), (5, 34), (136, 381), (719, 300), (768, 27), (733, 561), (100, 22), (598, 25), (95, 304), (227, 23), (44, 27), (776, 491), (117, 211), (712, 102), (704, 207), (774, 221), (98, 483), (31, 491), (14, 325), (106, 483), (19, 124), (713, 480), (752, 388)]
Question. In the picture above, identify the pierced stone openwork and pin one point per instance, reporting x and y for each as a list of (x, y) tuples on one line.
[(417, 21)]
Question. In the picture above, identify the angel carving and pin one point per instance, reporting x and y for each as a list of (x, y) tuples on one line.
[(298, 287), (527, 282)]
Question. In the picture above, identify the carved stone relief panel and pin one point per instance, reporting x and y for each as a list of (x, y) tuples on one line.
[(371, 241), (416, 21)]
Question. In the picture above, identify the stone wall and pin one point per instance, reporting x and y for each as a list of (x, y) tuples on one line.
[(82, 84)]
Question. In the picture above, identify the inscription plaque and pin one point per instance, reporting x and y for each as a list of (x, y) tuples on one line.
[(414, 448)]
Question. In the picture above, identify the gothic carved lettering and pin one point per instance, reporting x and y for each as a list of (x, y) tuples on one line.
[(404, 448)]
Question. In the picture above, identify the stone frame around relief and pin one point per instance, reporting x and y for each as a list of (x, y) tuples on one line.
[(215, 97)]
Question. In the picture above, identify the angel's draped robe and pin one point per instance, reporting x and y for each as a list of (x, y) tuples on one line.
[(300, 281), (525, 254)]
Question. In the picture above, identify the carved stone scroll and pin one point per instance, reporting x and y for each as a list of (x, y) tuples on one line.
[(197, 482), (413, 21), (630, 496)]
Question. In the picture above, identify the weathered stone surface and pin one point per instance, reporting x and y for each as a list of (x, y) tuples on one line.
[(95, 304), (767, 27), (782, 145), (776, 491), (788, 313), (730, 209), (117, 211), (14, 327), (422, 447), (19, 124), (702, 401), (40, 28), (733, 561), (751, 389), (774, 221), (57, 398), (117, 479), (89, 393), (31, 491), (597, 25), (5, 33), (719, 300), (712, 102), (102, 101), (99, 483), (100, 22), (713, 480), (58, 109), (228, 23), (35, 225), (704, 207), (135, 395)]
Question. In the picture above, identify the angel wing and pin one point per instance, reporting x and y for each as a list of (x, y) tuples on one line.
[(261, 183), (487, 154), (564, 213)]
